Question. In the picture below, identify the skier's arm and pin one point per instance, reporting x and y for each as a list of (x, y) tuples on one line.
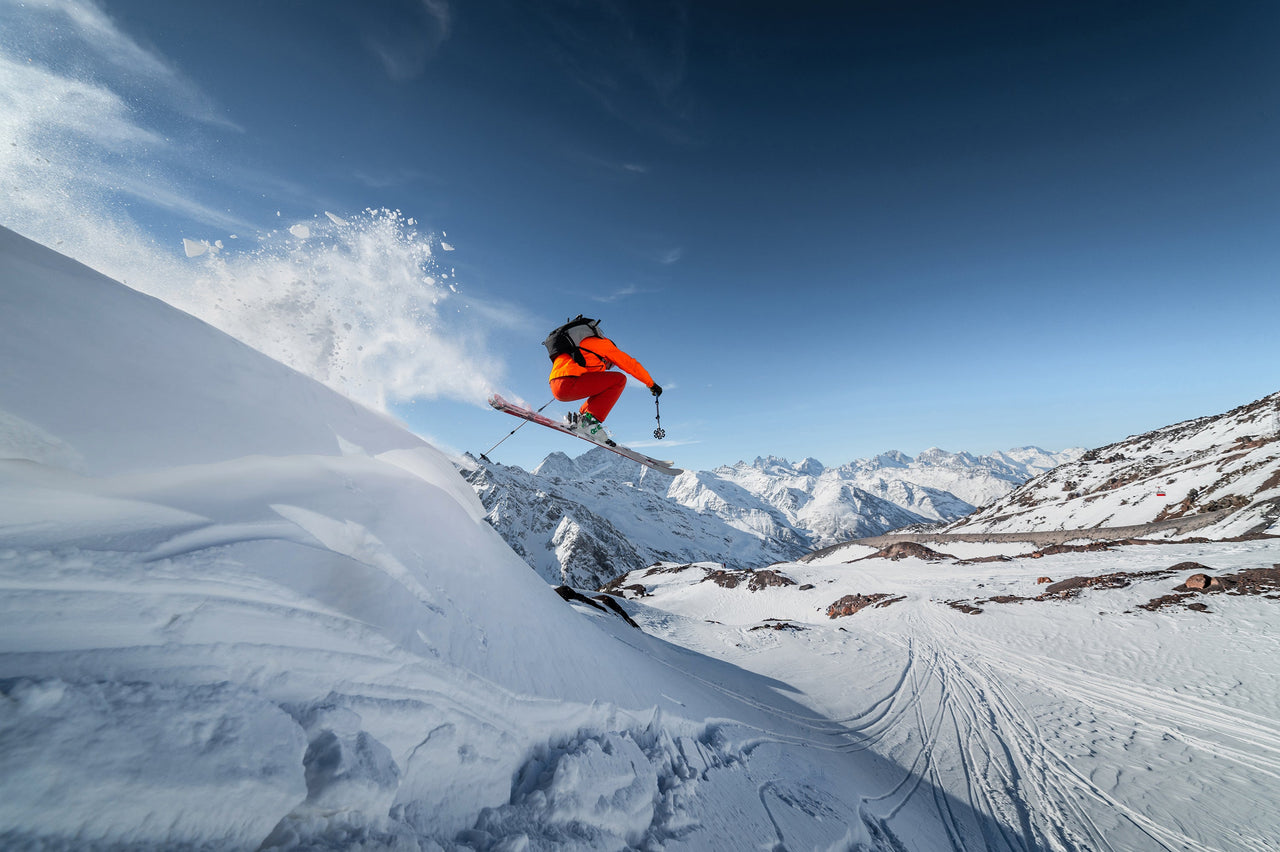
[(604, 348)]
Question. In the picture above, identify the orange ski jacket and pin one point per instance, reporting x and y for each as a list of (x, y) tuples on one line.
[(600, 354)]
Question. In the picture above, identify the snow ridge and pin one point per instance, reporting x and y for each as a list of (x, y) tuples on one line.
[(1227, 463)]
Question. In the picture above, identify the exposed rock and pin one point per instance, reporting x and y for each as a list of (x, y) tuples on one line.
[(999, 557), (1091, 547), (617, 608), (619, 586), (755, 580), (850, 604), (765, 578), (1042, 580), (966, 608), (725, 578), (1190, 566), (668, 569), (574, 596), (1164, 601), (604, 603), (1253, 581), (1072, 586), (908, 550), (777, 624)]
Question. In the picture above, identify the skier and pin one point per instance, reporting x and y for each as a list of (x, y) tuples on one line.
[(581, 359)]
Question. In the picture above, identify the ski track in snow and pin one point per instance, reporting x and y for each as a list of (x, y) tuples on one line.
[(1035, 726), (970, 731)]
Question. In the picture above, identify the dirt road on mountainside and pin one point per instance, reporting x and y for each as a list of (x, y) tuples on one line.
[(1040, 537)]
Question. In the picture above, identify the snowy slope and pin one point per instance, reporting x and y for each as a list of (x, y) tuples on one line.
[(583, 521), (1222, 464), (299, 631), (1090, 718), (238, 610)]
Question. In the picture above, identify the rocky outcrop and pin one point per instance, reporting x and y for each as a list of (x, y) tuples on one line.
[(850, 604), (908, 550), (754, 580), (1222, 471)]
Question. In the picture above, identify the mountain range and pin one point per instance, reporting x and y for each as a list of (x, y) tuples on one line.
[(582, 521)]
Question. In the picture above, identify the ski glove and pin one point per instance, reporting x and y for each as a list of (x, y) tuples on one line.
[(656, 390)]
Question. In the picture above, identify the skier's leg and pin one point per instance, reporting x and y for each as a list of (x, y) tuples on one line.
[(566, 389), (605, 388), (601, 390)]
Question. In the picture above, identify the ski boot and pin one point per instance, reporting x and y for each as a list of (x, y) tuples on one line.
[(586, 425)]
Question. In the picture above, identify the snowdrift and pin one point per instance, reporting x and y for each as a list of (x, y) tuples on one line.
[(237, 609)]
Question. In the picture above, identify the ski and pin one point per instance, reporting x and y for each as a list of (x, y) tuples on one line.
[(534, 417)]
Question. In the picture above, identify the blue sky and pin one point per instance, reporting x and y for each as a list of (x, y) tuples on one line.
[(828, 230)]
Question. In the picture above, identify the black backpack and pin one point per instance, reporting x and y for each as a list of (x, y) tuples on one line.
[(566, 339)]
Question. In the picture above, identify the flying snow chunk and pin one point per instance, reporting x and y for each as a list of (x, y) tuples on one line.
[(446, 246), (300, 231), (193, 248), (337, 220)]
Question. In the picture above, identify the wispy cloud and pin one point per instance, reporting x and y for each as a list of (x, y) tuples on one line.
[(617, 295), (72, 141), (631, 58), (52, 32), (405, 47)]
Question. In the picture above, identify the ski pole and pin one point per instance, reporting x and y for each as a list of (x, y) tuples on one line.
[(524, 423), (658, 433)]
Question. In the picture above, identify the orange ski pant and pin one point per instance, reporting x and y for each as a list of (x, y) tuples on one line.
[(600, 389)]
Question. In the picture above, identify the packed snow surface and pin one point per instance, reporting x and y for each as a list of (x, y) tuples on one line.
[(238, 611)]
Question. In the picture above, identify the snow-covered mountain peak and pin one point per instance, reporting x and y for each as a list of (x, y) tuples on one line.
[(769, 464), (890, 459), (557, 464), (809, 467)]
